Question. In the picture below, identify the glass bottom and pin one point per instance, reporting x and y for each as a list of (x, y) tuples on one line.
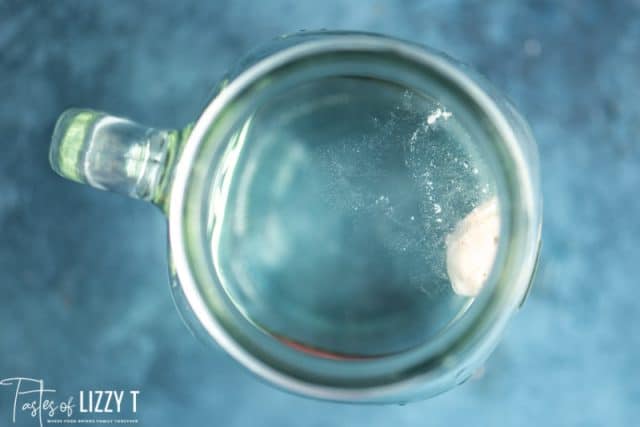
[(338, 202)]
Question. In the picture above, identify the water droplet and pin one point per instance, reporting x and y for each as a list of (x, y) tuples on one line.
[(478, 373), (462, 376)]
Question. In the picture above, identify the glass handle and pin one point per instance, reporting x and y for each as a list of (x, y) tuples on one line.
[(112, 153)]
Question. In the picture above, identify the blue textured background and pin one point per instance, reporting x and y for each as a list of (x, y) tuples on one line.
[(85, 302)]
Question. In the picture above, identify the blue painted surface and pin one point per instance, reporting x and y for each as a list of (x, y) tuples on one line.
[(85, 302)]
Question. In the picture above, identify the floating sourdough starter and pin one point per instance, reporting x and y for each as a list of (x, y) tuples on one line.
[(471, 248)]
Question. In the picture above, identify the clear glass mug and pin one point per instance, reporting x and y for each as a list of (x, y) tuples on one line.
[(352, 217)]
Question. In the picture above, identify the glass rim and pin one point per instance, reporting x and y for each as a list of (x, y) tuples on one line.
[(490, 314)]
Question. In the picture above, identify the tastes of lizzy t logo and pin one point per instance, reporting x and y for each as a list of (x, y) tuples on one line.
[(32, 399)]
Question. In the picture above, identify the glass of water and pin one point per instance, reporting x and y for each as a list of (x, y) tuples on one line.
[(352, 217)]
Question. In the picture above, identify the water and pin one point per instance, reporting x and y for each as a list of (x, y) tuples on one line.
[(338, 199)]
